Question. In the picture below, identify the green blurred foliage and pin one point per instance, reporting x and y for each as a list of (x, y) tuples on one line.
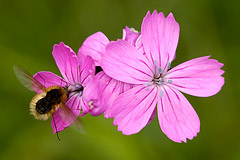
[(30, 28)]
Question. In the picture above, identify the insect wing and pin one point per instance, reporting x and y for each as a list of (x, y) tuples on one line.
[(26, 79), (69, 117)]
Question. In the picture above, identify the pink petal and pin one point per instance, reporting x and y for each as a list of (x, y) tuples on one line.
[(74, 101), (152, 116), (67, 62), (85, 107), (62, 119), (92, 96), (112, 90), (177, 118), (199, 77), (87, 68), (48, 79), (160, 38), (125, 63), (134, 38), (130, 35), (101, 92), (94, 45), (58, 124), (109, 89), (133, 109)]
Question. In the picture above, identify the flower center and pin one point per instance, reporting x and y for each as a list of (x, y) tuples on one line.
[(77, 89), (159, 78)]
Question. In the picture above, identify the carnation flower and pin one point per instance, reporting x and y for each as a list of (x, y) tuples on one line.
[(157, 85), (77, 71)]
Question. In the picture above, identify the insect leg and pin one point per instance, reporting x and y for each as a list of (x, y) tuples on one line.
[(42, 79), (56, 128)]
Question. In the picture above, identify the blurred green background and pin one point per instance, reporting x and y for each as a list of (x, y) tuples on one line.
[(30, 28)]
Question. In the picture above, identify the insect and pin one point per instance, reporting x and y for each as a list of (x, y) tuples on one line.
[(44, 104)]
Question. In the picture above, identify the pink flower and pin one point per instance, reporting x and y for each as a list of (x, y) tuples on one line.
[(157, 84), (76, 72), (106, 89)]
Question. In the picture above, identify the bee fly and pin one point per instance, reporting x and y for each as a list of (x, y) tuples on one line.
[(44, 104)]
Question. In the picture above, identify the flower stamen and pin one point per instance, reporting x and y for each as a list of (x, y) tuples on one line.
[(155, 63), (169, 81), (159, 70), (160, 81), (78, 88), (168, 65), (161, 93), (147, 84)]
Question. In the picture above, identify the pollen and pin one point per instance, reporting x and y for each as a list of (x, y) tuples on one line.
[(91, 104)]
